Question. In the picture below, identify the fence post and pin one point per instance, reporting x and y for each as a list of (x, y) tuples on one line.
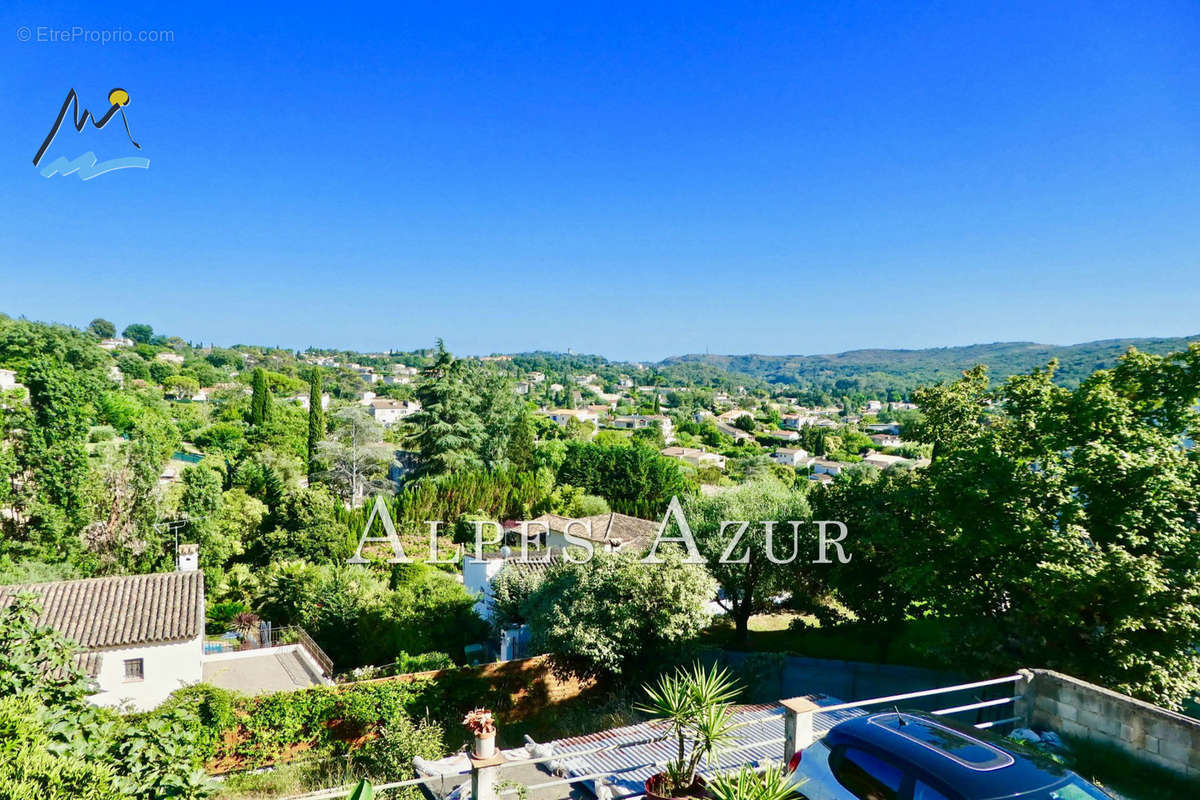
[(1024, 698), (485, 774), (797, 725)]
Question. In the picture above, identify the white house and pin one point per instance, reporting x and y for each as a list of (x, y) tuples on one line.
[(301, 399), (883, 461), (388, 412), (695, 456), (8, 380), (170, 358), (113, 344), (635, 422), (822, 466), (141, 636), (785, 436), (797, 421), (791, 457), (562, 415), (886, 440)]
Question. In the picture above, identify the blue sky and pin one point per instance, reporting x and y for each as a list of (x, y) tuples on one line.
[(637, 182)]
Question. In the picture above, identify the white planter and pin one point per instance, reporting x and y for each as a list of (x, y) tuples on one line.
[(485, 746)]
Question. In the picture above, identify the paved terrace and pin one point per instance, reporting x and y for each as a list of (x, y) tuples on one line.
[(263, 671)]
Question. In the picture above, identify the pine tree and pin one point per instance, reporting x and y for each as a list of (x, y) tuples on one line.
[(260, 402), (449, 432), (316, 422)]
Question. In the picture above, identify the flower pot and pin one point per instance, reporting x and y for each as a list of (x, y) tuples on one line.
[(485, 746), (657, 788)]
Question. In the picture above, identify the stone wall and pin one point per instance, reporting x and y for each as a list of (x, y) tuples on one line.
[(1049, 700)]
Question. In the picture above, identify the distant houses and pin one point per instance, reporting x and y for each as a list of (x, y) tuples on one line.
[(696, 457)]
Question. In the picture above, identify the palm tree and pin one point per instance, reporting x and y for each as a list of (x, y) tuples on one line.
[(696, 705)]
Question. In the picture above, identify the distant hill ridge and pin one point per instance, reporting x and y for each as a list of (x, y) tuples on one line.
[(913, 367)]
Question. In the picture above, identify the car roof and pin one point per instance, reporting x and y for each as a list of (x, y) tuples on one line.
[(977, 765)]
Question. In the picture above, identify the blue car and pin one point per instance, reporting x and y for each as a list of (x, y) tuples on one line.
[(917, 756)]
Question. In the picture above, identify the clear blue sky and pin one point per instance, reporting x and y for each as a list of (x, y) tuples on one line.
[(798, 177)]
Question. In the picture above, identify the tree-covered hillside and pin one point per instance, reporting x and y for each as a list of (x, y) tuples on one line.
[(876, 371)]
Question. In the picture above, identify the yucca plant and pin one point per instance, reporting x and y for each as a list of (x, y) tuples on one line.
[(697, 706), (747, 784)]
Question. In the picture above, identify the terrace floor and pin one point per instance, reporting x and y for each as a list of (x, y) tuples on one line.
[(262, 672)]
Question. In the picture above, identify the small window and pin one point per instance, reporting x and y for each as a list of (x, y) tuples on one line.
[(867, 776), (134, 669)]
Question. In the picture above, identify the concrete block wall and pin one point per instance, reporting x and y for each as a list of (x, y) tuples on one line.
[(1050, 700)]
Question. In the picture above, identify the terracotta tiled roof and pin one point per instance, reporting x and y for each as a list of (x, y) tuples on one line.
[(120, 611), (619, 530)]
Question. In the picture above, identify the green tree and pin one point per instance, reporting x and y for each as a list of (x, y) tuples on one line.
[(448, 429), (260, 401), (750, 585), (617, 613), (521, 441), (181, 386), (316, 422), (355, 456), (138, 332), (102, 328), (634, 480), (160, 371), (133, 366)]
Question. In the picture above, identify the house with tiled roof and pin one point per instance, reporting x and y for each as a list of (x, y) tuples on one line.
[(141, 637)]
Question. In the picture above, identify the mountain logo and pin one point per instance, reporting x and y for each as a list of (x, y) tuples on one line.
[(87, 166)]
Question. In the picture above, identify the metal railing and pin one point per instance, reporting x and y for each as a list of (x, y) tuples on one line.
[(487, 790), (276, 637)]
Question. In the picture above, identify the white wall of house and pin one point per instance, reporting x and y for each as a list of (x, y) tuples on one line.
[(477, 580), (166, 667)]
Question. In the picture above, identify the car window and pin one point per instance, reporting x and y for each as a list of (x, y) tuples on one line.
[(1078, 789), (923, 791), (867, 776)]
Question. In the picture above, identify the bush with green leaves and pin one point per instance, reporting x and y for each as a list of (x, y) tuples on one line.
[(616, 612)]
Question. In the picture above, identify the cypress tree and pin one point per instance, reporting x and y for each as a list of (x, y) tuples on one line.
[(316, 421), (260, 401)]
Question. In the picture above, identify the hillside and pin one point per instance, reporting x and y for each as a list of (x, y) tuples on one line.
[(878, 370)]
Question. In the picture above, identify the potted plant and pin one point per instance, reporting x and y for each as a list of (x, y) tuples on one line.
[(696, 706), (747, 784), (482, 724)]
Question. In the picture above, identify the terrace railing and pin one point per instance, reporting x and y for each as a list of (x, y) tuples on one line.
[(798, 733)]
